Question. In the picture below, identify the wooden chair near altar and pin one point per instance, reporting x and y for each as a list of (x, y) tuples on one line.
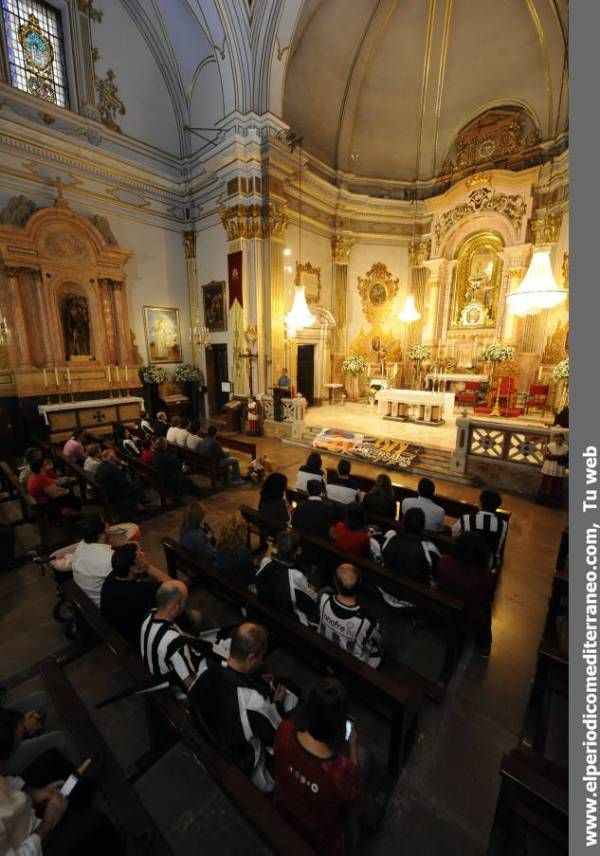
[(505, 398), (470, 394), (537, 397)]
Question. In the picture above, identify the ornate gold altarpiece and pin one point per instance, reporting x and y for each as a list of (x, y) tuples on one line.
[(46, 258)]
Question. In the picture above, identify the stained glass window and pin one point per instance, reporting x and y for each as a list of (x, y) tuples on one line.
[(36, 49)]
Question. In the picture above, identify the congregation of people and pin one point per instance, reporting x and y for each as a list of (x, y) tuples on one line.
[(278, 735)]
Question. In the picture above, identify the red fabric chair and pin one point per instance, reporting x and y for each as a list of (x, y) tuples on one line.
[(537, 397), (470, 394), (505, 397)]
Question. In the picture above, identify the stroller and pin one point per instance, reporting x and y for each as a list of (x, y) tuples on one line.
[(62, 611)]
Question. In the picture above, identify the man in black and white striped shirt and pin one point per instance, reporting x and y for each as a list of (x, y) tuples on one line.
[(487, 522), (165, 649)]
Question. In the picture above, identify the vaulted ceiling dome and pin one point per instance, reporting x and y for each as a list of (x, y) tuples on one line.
[(382, 88)]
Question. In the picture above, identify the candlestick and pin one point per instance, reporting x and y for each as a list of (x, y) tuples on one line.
[(117, 374), (69, 376), (45, 373), (126, 374), (109, 375), (56, 378)]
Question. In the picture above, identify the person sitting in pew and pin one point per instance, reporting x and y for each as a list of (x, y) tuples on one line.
[(273, 505), (344, 621), (73, 449), (211, 447), (169, 469), (233, 558), (465, 573), (31, 454), (313, 516), (352, 536), (147, 453), (93, 458), (145, 428), (194, 438), (318, 786), (161, 424), (174, 431), (434, 514), (43, 486), (118, 486), (196, 535), (409, 553), (241, 705), (282, 586), (91, 562), (166, 650), (128, 445), (129, 591), (342, 487), (488, 523), (22, 737), (312, 469), (380, 499)]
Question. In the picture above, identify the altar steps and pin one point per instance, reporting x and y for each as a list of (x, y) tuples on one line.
[(434, 463)]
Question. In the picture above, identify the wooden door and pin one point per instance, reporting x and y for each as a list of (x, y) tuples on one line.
[(217, 372), (306, 372)]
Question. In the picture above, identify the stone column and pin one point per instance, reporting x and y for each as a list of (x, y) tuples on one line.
[(341, 246), (515, 266), (110, 324), (433, 323), (418, 254), (123, 349), (16, 319), (43, 314)]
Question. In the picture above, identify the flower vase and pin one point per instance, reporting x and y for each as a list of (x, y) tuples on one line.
[(417, 374)]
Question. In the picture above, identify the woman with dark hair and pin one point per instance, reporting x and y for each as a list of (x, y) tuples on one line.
[(312, 469), (233, 558), (352, 535), (196, 535), (272, 504), (464, 573), (380, 499), (317, 777), (147, 451)]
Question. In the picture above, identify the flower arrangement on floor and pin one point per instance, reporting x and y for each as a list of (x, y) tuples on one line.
[(498, 353), (355, 365), (418, 353), (561, 370), (153, 374), (187, 373)]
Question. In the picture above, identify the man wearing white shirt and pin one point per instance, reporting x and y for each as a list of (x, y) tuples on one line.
[(434, 514), (92, 560)]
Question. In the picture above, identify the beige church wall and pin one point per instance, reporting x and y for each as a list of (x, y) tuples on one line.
[(362, 258), (149, 112), (316, 250)]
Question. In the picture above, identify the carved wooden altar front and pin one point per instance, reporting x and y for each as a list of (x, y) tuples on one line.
[(63, 294)]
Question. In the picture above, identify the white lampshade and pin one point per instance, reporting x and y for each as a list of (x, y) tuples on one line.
[(409, 311), (299, 315), (538, 290)]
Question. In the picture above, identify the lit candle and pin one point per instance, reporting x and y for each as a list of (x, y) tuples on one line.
[(109, 376), (69, 376), (126, 374), (56, 378), (45, 378), (117, 374)]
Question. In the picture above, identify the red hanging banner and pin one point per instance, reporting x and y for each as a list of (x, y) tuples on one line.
[(234, 273)]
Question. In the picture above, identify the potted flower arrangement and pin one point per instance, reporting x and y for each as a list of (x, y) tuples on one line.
[(495, 354), (560, 373), (416, 354), (151, 377), (191, 376), (354, 365)]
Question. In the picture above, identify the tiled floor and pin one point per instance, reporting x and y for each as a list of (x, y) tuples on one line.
[(445, 799)]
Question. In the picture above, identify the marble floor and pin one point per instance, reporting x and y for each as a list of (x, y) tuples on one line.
[(363, 419), (444, 802)]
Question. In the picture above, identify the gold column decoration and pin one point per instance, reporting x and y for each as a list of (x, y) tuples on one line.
[(189, 247), (546, 229), (418, 253), (110, 322), (14, 312), (122, 323), (341, 247), (43, 308)]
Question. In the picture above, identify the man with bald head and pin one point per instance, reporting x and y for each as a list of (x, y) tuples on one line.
[(344, 621), (241, 706), (165, 648)]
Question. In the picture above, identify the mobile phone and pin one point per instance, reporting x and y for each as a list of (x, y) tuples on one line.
[(69, 785), (349, 727)]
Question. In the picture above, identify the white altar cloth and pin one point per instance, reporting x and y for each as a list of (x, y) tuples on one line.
[(445, 400), (448, 378), (45, 409)]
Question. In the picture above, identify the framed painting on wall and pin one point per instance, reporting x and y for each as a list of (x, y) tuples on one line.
[(213, 301), (163, 336)]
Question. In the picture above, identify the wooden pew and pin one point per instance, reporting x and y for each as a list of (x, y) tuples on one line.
[(89, 489), (398, 702), (125, 805), (452, 507), (533, 796), (558, 606), (434, 604), (442, 541), (146, 472), (31, 512), (199, 463), (172, 722), (551, 678)]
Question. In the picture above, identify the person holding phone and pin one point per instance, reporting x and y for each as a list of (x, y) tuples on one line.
[(318, 786)]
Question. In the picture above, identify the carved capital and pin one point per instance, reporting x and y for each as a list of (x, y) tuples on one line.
[(254, 221), (546, 229), (189, 243), (341, 246), (419, 252)]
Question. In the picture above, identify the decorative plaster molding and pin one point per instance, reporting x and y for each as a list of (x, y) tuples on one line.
[(341, 247), (546, 230), (254, 221), (512, 206), (419, 251)]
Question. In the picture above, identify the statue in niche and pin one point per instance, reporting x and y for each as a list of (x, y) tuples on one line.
[(17, 212), (101, 223), (477, 280), (76, 326)]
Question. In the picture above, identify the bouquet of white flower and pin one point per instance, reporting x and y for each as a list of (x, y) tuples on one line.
[(153, 374), (498, 353), (418, 352), (561, 370), (355, 365), (187, 372)]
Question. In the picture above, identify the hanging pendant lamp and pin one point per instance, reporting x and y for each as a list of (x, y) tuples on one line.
[(538, 290), (409, 311)]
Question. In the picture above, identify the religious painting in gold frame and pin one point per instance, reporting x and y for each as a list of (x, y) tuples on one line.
[(310, 278), (476, 282), (377, 289), (163, 334)]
